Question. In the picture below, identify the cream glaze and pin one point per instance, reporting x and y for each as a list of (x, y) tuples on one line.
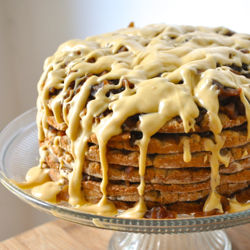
[(186, 150), (181, 53), (235, 206), (213, 200), (41, 191), (36, 176)]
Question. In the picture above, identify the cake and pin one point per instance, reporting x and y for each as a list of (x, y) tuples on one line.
[(151, 121)]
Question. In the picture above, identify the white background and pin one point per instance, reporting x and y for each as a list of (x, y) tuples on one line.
[(32, 30)]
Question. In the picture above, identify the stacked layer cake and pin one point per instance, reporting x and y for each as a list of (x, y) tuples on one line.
[(150, 117)]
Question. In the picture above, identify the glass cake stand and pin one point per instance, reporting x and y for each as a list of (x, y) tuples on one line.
[(19, 152)]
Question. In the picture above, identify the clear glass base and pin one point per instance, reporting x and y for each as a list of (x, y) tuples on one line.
[(214, 240)]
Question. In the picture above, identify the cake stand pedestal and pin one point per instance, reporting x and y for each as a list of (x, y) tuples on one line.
[(213, 240), (19, 152)]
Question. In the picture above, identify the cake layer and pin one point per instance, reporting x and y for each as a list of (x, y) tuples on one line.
[(153, 175), (198, 159), (165, 194), (131, 158), (117, 192), (187, 207), (175, 125), (161, 143), (174, 143)]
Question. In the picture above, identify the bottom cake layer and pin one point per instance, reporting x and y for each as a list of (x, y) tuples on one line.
[(187, 207)]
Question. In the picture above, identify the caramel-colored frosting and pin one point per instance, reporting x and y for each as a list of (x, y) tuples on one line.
[(166, 71)]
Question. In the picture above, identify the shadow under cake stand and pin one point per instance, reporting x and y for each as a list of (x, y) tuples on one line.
[(19, 152)]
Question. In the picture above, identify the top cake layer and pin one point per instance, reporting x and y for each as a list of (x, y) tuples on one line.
[(135, 68)]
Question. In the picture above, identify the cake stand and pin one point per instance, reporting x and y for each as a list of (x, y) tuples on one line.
[(19, 152)]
